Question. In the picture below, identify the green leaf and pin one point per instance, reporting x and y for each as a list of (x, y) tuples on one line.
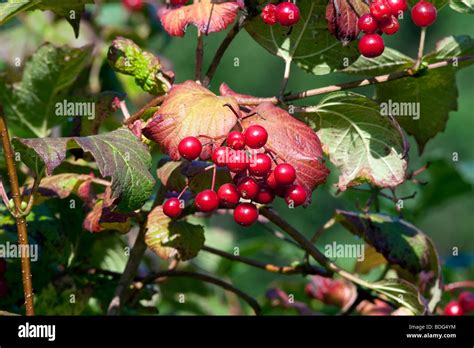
[(422, 105), (168, 238), (463, 6), (438, 3), (390, 61), (401, 244), (309, 43), (364, 145), (31, 104), (119, 154), (401, 293), (127, 58)]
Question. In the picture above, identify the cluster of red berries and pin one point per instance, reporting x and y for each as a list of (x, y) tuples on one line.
[(3, 281), (285, 13), (254, 180), (463, 305), (383, 19)]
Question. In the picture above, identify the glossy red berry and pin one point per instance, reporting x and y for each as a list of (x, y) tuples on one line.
[(261, 165), (453, 308), (245, 214), (389, 26), (133, 5), (238, 161), (265, 194), (173, 208), (397, 6), (206, 201), (367, 24), (380, 10), (271, 182), (3, 287), (466, 301), (228, 195), (3, 266), (190, 148), (269, 14), (287, 14), (247, 188), (284, 174), (178, 2), (235, 140), (295, 196), (424, 13), (255, 136), (371, 45), (220, 156)]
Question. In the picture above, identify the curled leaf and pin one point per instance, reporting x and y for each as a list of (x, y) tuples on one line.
[(342, 17)]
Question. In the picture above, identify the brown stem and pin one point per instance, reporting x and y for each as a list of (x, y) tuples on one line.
[(154, 102), (199, 56), (352, 84), (459, 285), (20, 220), (206, 278), (222, 48), (421, 48), (287, 270)]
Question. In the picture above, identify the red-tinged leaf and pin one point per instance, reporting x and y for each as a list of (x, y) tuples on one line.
[(292, 141), (342, 17), (191, 110), (337, 292), (101, 219), (207, 15), (168, 238)]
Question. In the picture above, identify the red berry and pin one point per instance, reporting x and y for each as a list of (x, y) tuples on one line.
[(190, 148), (380, 10), (295, 196), (265, 194), (3, 266), (424, 13), (178, 2), (261, 165), (389, 26), (206, 201), (371, 45), (269, 14), (271, 182), (287, 14), (367, 24), (133, 5), (397, 6), (466, 301), (220, 156), (173, 208), (247, 188), (238, 161), (284, 174), (245, 214), (235, 140), (228, 195), (453, 309), (255, 136)]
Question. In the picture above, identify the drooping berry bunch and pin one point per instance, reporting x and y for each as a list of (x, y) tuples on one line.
[(3, 281), (285, 14), (383, 19), (254, 180), (463, 305)]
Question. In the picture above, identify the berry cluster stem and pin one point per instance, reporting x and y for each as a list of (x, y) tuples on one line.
[(421, 48), (20, 219)]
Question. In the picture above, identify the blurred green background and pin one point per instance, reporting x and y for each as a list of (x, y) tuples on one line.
[(443, 208)]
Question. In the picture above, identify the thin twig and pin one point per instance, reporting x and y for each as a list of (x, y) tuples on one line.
[(20, 220), (286, 77), (33, 191), (199, 56), (421, 48), (287, 270), (352, 84), (222, 49), (206, 278), (152, 103), (459, 285)]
